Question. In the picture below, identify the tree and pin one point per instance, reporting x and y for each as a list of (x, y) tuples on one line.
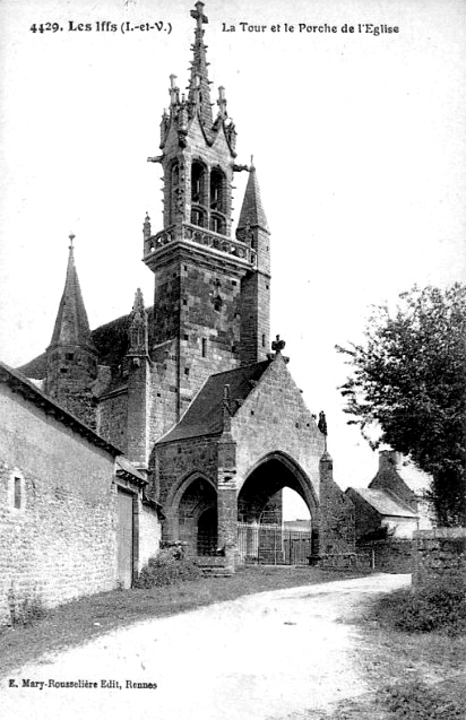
[(409, 381)]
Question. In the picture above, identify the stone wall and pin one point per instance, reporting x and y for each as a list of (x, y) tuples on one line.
[(439, 554), (112, 418), (57, 509), (390, 556), (150, 534), (337, 528)]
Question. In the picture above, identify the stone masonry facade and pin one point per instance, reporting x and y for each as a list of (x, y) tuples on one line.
[(439, 556), (189, 389), (57, 510)]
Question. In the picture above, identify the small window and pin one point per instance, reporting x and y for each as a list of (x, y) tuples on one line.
[(186, 371), (69, 356), (16, 496), (204, 347), (17, 492), (63, 371), (263, 340)]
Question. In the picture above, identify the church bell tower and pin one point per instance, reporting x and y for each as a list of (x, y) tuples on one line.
[(200, 268)]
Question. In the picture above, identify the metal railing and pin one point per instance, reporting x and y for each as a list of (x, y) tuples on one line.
[(270, 544)]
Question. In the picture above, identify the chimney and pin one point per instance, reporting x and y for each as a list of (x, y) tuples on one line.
[(388, 460)]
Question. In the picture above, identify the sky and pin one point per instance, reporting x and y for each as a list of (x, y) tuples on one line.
[(359, 141)]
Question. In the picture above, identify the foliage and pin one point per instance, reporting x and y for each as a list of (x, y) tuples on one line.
[(409, 381), (415, 700), (441, 606), (167, 568), (26, 611)]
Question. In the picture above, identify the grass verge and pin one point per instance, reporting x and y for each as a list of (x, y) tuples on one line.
[(82, 620), (418, 675)]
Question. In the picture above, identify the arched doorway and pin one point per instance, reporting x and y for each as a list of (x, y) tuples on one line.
[(265, 534), (195, 511)]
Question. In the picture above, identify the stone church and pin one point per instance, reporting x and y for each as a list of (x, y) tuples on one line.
[(191, 389)]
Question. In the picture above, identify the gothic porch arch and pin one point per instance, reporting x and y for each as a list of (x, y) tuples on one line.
[(261, 533), (273, 472)]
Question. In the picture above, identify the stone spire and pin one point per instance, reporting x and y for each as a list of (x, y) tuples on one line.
[(72, 326), (252, 211), (72, 355), (198, 89)]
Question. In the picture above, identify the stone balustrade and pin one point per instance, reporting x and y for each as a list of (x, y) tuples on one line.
[(200, 236)]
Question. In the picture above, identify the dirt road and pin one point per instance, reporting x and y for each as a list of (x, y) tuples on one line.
[(260, 657)]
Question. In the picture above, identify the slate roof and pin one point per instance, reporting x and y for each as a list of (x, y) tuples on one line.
[(385, 503), (205, 414), (110, 341), (417, 480)]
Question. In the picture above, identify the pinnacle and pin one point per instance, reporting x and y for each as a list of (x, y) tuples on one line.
[(138, 300), (199, 94), (252, 211)]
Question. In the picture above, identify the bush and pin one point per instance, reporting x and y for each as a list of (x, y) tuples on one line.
[(167, 568), (417, 701), (26, 611), (436, 607)]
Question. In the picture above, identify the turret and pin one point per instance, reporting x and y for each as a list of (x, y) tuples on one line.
[(255, 287), (71, 355)]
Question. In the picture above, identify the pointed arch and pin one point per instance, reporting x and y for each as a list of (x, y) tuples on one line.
[(192, 513), (177, 492), (268, 476)]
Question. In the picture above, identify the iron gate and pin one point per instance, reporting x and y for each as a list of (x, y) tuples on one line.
[(269, 544)]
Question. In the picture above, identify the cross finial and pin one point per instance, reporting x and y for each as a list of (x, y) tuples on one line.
[(278, 345), (71, 237), (198, 15)]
